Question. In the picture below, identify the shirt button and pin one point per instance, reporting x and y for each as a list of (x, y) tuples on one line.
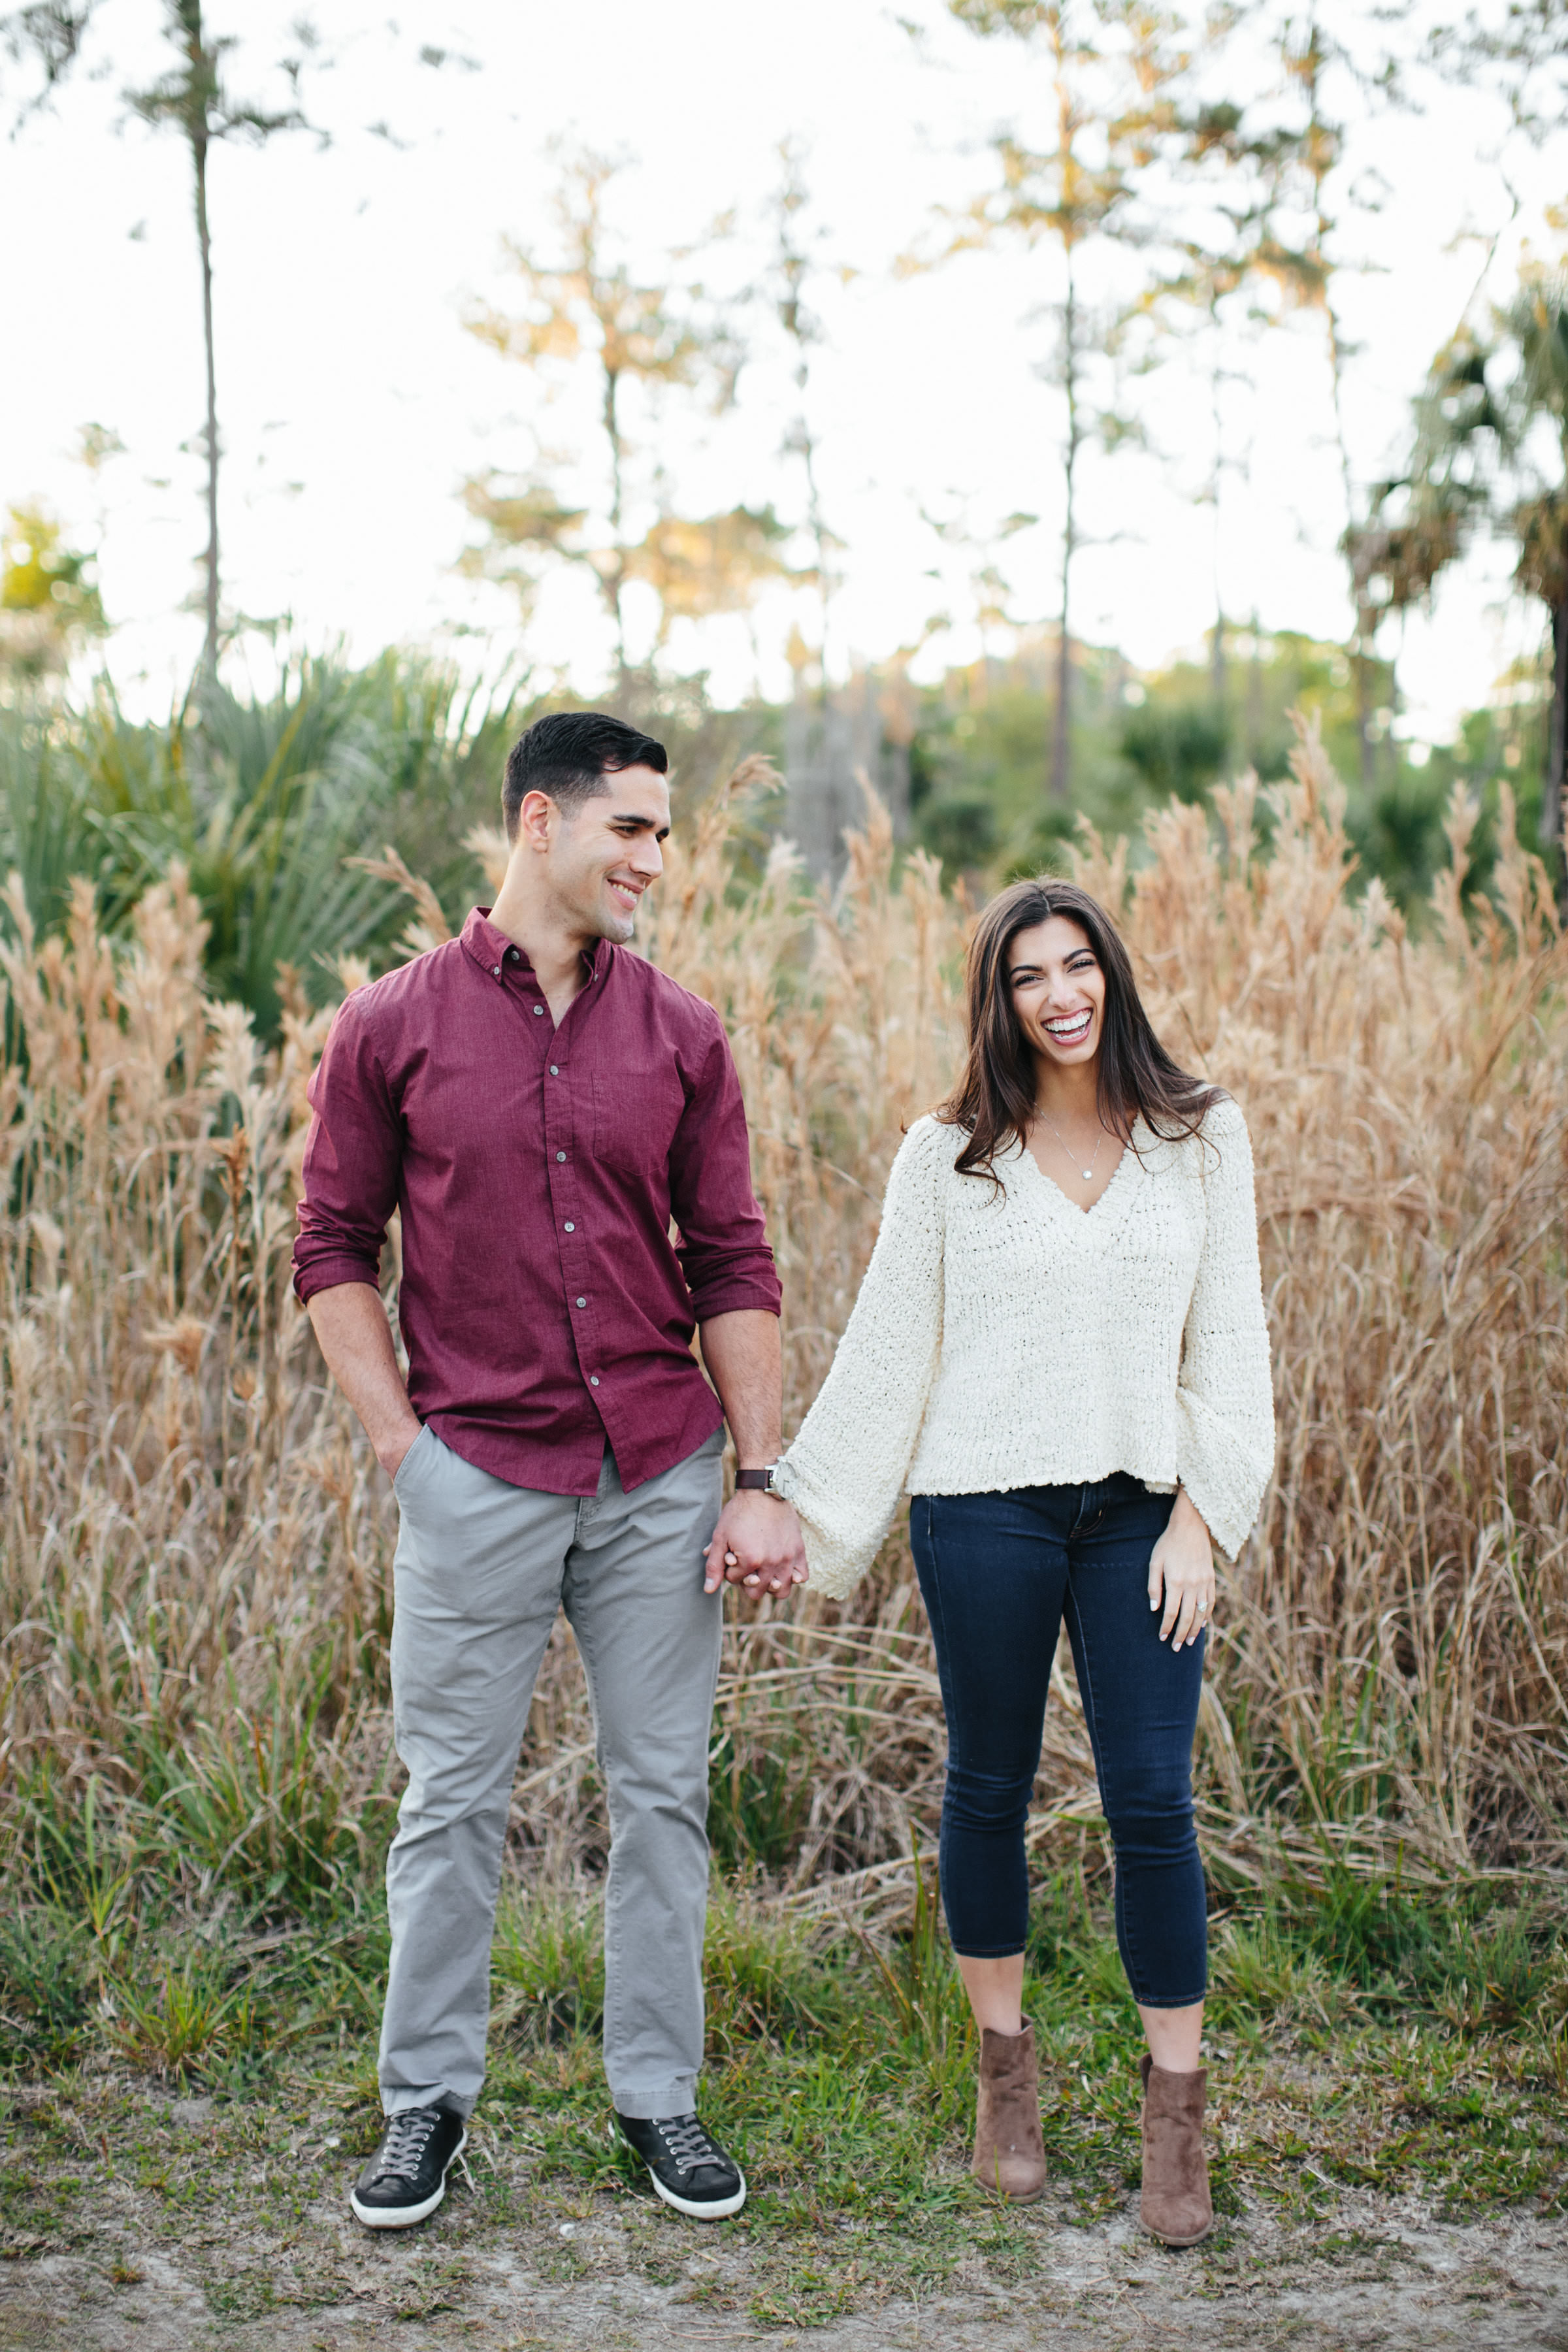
[(539, 1008), (561, 1155), (569, 1227), (582, 1302), (512, 956), (495, 971), (592, 1380), (555, 1069)]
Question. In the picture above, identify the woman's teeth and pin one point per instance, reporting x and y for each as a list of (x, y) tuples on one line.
[(1070, 1028)]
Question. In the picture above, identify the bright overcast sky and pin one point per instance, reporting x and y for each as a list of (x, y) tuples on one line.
[(354, 403)]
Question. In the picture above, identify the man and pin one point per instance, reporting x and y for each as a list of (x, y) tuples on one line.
[(539, 1105)]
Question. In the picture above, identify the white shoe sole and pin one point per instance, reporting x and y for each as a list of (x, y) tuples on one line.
[(404, 2216), (710, 2210)]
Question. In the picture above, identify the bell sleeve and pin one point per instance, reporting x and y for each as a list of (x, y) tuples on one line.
[(846, 1469), (1224, 1394)]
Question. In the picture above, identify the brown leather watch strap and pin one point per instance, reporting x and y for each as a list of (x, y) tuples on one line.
[(760, 1481)]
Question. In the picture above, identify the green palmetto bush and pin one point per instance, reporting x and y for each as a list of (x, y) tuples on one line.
[(195, 1582), (266, 801)]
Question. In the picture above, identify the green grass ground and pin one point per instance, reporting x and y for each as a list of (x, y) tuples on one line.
[(202, 2089)]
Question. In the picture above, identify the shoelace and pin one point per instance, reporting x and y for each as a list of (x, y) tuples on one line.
[(687, 2143), (403, 2150)]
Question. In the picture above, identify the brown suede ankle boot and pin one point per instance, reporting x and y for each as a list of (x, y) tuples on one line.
[(1009, 2153), (1175, 2205)]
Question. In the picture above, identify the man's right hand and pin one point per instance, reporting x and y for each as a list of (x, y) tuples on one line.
[(351, 1328), (391, 1458)]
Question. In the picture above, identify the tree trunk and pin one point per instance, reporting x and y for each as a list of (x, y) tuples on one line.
[(1061, 752), (1217, 655), (1551, 797), (1361, 662), (1061, 732), (616, 580), (199, 157), (1255, 694), (1321, 149), (806, 447), (824, 554)]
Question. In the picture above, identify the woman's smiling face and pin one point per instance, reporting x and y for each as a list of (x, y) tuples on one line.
[(1058, 991)]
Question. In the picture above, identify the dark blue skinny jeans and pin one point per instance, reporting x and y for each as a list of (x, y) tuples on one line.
[(999, 1572)]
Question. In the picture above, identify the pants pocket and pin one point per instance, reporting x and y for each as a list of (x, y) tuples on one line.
[(418, 1454)]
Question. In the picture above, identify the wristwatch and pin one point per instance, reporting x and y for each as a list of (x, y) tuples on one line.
[(761, 1482)]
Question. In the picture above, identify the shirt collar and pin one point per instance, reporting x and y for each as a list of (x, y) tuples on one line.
[(489, 947)]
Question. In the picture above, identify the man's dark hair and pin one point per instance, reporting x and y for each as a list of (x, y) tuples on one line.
[(568, 755)]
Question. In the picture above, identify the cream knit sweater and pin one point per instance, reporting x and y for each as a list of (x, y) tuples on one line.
[(1017, 1341)]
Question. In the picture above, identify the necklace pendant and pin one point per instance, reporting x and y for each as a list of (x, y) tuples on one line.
[(1088, 1175)]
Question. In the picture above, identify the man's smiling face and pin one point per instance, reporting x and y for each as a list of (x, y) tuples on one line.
[(605, 855)]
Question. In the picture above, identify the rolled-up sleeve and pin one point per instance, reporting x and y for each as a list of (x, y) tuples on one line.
[(352, 1159), (724, 1248)]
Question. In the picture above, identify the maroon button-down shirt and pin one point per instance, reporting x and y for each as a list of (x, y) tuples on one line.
[(543, 1304)]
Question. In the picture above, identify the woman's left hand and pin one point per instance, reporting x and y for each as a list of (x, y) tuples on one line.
[(1181, 1572)]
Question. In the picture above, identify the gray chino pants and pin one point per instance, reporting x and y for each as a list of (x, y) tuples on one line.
[(480, 1570)]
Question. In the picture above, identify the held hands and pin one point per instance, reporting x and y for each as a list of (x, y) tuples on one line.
[(757, 1544), (1181, 1571)]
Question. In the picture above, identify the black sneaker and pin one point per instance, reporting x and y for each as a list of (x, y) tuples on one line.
[(688, 2169), (405, 2180)]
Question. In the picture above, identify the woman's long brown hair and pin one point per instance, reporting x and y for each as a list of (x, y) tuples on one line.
[(995, 1097)]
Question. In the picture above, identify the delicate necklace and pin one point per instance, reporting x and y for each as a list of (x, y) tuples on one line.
[(1088, 1172)]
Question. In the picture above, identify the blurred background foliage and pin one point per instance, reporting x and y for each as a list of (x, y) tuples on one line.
[(276, 798), (1141, 737), (267, 797)]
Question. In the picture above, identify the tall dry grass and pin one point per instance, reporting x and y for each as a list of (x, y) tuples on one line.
[(195, 1580)]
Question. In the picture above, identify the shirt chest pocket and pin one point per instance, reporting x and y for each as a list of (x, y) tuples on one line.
[(635, 1114)]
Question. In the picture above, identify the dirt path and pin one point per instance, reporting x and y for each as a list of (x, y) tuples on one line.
[(1378, 2272)]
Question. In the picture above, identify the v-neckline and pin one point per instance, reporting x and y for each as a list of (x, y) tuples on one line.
[(1121, 1182)]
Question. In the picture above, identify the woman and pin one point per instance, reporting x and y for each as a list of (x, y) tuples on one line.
[(1061, 1345)]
